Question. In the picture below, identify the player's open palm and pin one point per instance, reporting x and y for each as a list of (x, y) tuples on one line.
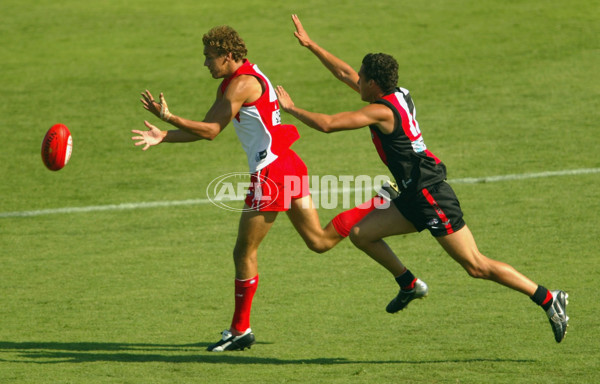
[(152, 136), (285, 101), (300, 33)]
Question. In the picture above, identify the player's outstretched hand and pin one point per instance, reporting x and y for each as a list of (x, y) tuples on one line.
[(153, 136), (150, 104), (160, 109), (285, 101), (300, 33)]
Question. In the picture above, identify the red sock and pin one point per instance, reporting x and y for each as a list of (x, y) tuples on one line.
[(344, 222), (244, 293)]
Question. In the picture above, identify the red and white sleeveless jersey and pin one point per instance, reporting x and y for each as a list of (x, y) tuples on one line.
[(258, 124)]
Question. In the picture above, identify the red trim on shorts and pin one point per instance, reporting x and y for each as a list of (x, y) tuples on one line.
[(273, 187), (438, 210), (259, 180)]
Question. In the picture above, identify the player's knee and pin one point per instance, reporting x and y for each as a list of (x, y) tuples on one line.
[(239, 250), (318, 246), (475, 272), (244, 250), (479, 270), (357, 237)]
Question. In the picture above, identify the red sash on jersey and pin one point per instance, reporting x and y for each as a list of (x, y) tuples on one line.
[(287, 134), (284, 135)]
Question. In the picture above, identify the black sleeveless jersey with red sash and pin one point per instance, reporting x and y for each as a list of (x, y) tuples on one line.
[(403, 151)]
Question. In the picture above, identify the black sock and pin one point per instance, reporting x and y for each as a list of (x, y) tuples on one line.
[(542, 297), (406, 280)]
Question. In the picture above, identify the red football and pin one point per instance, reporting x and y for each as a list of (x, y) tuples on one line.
[(57, 147)]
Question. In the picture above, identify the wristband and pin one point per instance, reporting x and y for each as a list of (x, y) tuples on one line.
[(165, 115)]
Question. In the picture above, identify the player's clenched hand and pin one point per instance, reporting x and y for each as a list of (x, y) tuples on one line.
[(159, 109), (285, 101), (300, 33), (152, 136)]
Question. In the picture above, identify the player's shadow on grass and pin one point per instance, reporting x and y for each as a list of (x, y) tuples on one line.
[(89, 352)]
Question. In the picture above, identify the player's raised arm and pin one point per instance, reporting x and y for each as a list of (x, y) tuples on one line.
[(340, 69)]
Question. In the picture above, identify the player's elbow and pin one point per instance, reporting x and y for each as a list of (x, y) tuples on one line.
[(325, 126), (325, 129), (211, 136), (343, 74)]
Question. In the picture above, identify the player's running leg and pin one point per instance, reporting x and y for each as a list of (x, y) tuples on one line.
[(368, 236), (462, 247), (253, 228), (305, 219)]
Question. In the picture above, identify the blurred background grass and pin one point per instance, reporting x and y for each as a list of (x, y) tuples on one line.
[(135, 296)]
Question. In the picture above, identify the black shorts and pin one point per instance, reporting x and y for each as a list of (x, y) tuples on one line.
[(435, 208)]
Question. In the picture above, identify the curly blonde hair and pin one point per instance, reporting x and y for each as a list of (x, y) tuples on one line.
[(223, 40)]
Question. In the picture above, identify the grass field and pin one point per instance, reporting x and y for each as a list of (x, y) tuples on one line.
[(136, 295)]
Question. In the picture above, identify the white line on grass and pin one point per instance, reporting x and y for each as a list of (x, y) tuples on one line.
[(175, 203), (522, 176)]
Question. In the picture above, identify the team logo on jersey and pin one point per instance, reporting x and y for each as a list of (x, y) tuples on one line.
[(261, 155), (276, 117)]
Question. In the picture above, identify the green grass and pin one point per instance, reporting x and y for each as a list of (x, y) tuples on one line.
[(134, 296)]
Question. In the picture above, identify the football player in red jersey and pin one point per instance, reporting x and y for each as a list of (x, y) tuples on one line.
[(426, 201), (247, 98)]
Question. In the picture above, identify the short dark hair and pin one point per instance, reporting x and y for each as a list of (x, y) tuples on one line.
[(224, 39), (383, 69)]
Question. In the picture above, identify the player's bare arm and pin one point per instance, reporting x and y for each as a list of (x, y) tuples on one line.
[(340, 69), (371, 114), (155, 136), (243, 89)]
